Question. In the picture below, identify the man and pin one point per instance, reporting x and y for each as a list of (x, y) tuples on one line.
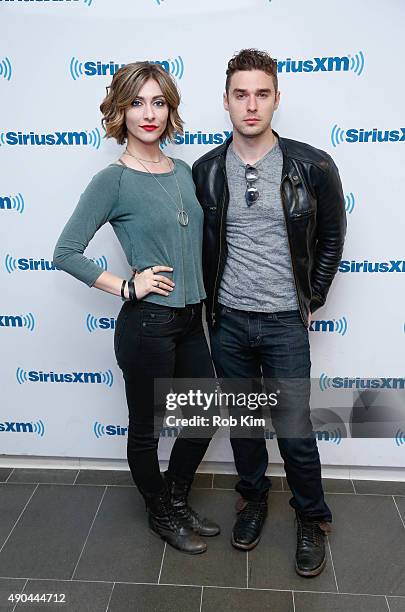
[(273, 238)]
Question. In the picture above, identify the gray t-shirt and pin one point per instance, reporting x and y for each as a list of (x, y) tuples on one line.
[(258, 271)]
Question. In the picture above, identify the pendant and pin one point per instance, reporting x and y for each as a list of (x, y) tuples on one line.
[(182, 218)]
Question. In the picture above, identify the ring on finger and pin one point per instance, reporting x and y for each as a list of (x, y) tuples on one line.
[(158, 284), (153, 272)]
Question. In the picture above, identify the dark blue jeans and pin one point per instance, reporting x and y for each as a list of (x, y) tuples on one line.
[(275, 346)]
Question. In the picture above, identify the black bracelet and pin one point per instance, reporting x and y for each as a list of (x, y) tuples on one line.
[(131, 289), (122, 289)]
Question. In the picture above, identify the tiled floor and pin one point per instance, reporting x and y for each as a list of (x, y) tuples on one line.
[(83, 534)]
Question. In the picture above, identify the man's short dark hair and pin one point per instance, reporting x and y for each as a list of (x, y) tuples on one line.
[(252, 59)]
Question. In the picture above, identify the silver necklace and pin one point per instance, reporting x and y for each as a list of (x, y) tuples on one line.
[(182, 216), (151, 161)]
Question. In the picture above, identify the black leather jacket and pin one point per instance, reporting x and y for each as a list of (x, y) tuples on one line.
[(314, 210)]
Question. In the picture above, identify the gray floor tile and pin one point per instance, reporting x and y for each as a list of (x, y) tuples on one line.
[(49, 536), (159, 598), (272, 562), (390, 487), (228, 481), (368, 546), (5, 473), (13, 498), (330, 602), (221, 564), (330, 485), (9, 586), (396, 604), (120, 546), (105, 477), (202, 481), (42, 475), (246, 600), (77, 596)]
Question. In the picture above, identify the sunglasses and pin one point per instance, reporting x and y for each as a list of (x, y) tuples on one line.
[(252, 193)]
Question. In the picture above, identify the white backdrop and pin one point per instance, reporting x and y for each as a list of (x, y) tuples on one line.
[(340, 75)]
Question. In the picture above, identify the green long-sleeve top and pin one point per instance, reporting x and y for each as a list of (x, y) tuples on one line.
[(144, 220)]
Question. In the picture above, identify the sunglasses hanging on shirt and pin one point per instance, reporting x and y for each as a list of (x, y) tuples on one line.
[(252, 193)]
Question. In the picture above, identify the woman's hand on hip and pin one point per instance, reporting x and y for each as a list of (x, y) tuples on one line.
[(151, 280)]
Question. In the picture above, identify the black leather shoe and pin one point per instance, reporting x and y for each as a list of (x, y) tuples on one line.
[(248, 527), (178, 496), (310, 558), (164, 523)]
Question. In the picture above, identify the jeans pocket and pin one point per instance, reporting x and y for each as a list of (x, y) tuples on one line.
[(290, 319)]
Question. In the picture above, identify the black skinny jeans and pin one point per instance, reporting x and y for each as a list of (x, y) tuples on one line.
[(153, 341)]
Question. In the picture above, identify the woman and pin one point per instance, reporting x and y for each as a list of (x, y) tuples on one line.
[(149, 199)]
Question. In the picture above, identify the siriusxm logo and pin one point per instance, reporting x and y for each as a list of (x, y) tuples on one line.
[(27, 320), (334, 436), (199, 138), (24, 263), (12, 202), (342, 63), (91, 68), (338, 326), (338, 382), (90, 138), (23, 427), (350, 203), (70, 377), (392, 265), (93, 323), (87, 2), (338, 136), (400, 438), (101, 430), (159, 2), (6, 69)]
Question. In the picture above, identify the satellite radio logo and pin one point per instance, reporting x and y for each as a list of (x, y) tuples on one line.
[(350, 203), (199, 138), (338, 326), (90, 68), (344, 63), (93, 323), (355, 135), (12, 202), (24, 320), (12, 264), (338, 382), (36, 427), (100, 378), (6, 69), (400, 438), (101, 430), (393, 265), (85, 138)]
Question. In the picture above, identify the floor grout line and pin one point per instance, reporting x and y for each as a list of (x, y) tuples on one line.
[(20, 515), (388, 605), (212, 586), (354, 488), (212, 481), (87, 537), (333, 565), (109, 599), (396, 506), (247, 569), (161, 563), (201, 599), (22, 591), (76, 477), (9, 474), (293, 599)]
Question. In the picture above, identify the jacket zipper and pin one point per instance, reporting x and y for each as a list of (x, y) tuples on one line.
[(289, 250), (219, 255)]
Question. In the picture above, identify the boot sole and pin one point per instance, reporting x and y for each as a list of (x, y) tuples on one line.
[(187, 552), (310, 573), (245, 546)]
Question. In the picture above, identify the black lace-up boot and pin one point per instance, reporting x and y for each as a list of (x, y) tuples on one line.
[(310, 558), (178, 496), (164, 522), (248, 527)]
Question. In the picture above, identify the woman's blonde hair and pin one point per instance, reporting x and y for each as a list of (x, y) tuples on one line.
[(125, 86)]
